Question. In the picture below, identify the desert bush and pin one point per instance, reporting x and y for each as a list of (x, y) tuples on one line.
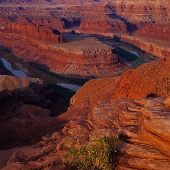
[(99, 154)]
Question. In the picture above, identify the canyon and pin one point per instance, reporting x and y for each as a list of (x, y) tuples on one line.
[(48, 48), (140, 119), (102, 18), (85, 85)]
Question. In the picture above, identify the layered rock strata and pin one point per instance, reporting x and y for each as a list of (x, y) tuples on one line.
[(25, 31), (132, 84), (143, 127), (141, 124), (87, 58), (152, 20), (142, 12), (156, 47), (98, 20), (135, 113)]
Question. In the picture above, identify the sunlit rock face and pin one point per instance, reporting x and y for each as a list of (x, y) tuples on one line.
[(26, 31), (136, 22), (43, 45), (133, 83), (149, 24), (134, 106), (140, 120)]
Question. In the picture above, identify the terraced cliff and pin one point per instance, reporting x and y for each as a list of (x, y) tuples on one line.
[(117, 122), (87, 57), (136, 22), (152, 24)]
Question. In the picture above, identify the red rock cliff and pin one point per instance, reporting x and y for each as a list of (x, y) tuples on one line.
[(43, 46), (27, 31), (134, 83), (142, 124)]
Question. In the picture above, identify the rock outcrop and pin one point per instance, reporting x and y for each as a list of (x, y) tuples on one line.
[(139, 119), (152, 24), (143, 127), (26, 31), (142, 12), (157, 47), (11, 83), (134, 83), (134, 107), (98, 20), (27, 110)]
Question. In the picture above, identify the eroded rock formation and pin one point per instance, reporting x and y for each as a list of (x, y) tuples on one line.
[(152, 24), (143, 127), (142, 124), (144, 21), (134, 106), (10, 82), (26, 31), (27, 107), (132, 84), (98, 20), (158, 48), (36, 44)]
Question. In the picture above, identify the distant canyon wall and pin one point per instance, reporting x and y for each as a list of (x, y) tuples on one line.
[(26, 30), (145, 24), (37, 44), (157, 48)]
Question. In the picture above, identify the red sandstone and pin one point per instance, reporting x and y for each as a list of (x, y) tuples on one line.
[(142, 123)]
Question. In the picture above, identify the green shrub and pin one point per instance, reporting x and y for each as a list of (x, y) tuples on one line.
[(99, 154)]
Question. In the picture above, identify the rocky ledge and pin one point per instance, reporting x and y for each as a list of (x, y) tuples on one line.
[(142, 127), (127, 121)]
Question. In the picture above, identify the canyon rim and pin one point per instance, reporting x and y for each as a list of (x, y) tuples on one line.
[(84, 85)]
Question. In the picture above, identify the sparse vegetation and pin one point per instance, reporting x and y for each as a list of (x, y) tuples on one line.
[(99, 154)]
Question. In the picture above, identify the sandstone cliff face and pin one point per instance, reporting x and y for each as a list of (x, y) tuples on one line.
[(143, 11), (134, 83), (43, 46), (153, 38), (143, 20), (156, 47), (142, 124), (146, 22), (143, 127), (103, 26), (155, 31), (49, 22), (25, 31), (96, 20), (152, 23), (134, 106)]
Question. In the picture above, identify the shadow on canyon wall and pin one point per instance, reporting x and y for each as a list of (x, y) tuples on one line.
[(71, 23), (131, 27), (29, 113)]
